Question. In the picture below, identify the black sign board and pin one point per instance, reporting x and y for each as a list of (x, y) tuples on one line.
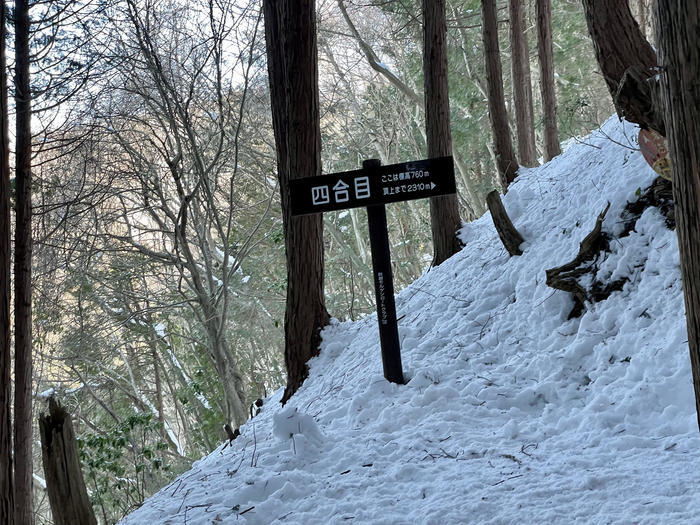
[(374, 186)]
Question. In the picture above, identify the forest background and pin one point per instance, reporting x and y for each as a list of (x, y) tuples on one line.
[(145, 109)]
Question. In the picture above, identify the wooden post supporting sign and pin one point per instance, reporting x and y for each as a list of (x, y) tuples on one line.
[(384, 287), (373, 187)]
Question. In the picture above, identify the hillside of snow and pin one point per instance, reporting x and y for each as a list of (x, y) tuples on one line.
[(512, 414)]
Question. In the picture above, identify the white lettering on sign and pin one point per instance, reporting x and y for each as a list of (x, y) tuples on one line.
[(320, 195), (341, 192), (408, 188), (404, 175), (362, 188), (382, 299)]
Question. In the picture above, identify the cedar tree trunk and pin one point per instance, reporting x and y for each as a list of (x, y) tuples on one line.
[(444, 210), (678, 27), (24, 505), (6, 476), (522, 87), (290, 33), (624, 57), (546, 58), (503, 145)]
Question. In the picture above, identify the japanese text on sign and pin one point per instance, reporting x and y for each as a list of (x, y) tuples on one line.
[(408, 188), (372, 186), (322, 194), (405, 175)]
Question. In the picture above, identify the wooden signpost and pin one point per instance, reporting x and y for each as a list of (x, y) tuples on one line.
[(373, 187)]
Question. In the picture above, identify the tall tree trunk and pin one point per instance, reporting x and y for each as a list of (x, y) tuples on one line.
[(444, 210), (626, 60), (6, 475), (522, 87), (503, 145), (617, 40), (678, 27), (24, 505), (290, 33), (545, 52)]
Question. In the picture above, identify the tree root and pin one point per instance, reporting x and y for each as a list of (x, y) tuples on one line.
[(565, 277)]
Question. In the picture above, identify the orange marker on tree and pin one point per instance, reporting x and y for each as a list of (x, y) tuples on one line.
[(654, 150)]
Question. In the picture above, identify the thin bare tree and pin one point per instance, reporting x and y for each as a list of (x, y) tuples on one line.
[(174, 114)]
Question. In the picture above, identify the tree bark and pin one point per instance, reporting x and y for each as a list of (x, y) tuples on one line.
[(546, 59), (65, 485), (522, 87), (503, 145), (290, 33), (642, 16), (626, 60), (24, 505), (6, 475), (678, 26), (444, 210)]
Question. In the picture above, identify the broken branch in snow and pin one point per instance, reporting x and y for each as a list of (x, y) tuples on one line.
[(508, 479)]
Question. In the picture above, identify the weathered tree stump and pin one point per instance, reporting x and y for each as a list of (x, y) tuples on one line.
[(510, 237), (65, 485)]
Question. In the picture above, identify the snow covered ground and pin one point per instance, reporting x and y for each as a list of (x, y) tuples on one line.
[(512, 414)]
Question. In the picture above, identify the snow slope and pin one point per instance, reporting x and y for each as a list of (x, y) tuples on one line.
[(512, 414)]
